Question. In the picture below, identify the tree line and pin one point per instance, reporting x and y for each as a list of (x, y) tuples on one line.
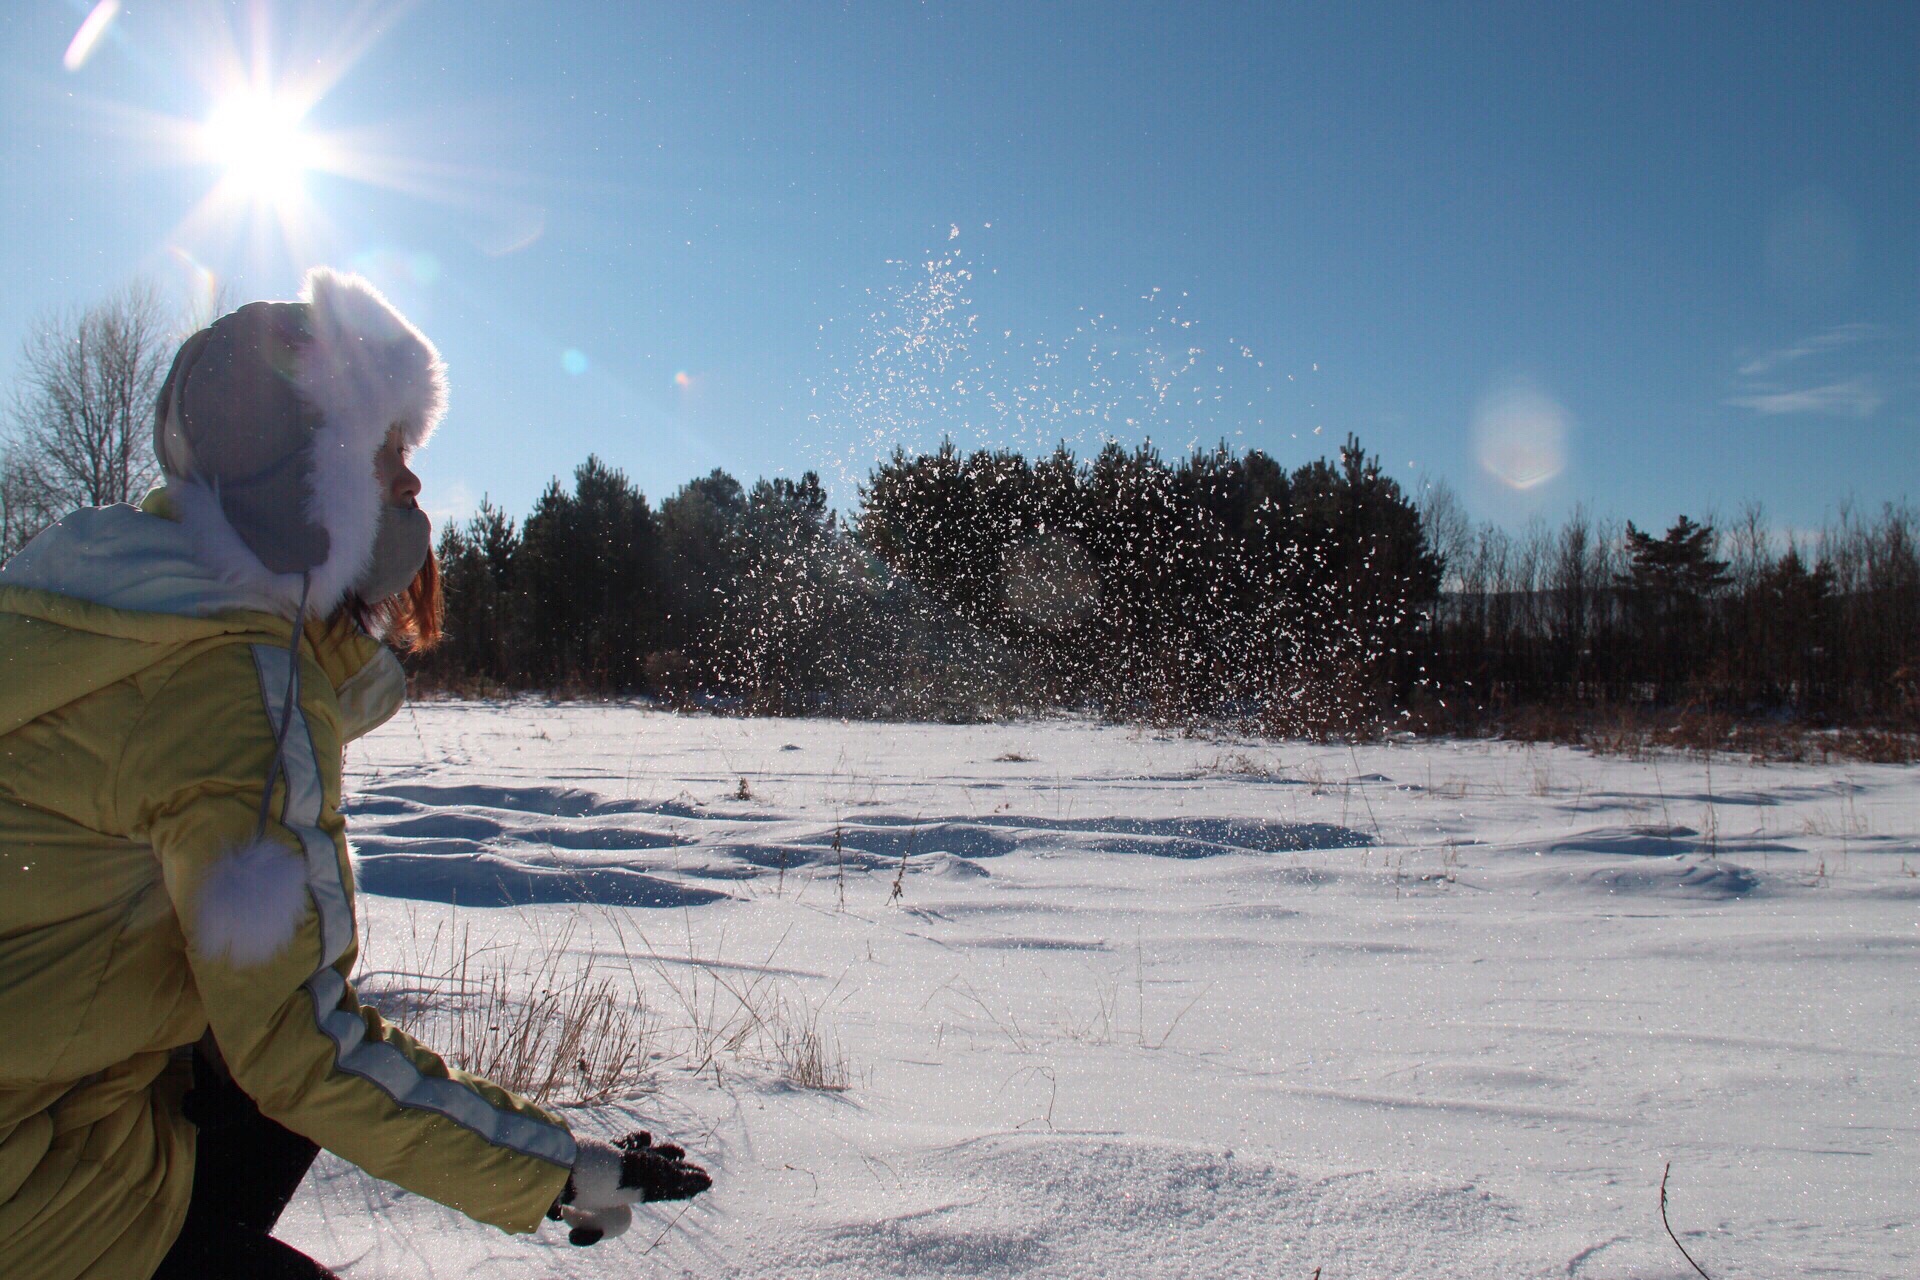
[(1219, 587), (1822, 626)]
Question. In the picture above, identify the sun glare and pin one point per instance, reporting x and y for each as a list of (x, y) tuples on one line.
[(281, 162), (258, 142)]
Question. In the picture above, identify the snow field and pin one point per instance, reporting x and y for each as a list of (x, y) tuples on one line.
[(1150, 1006)]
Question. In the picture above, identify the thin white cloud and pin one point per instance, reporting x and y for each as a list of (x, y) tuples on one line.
[(1848, 371), (1850, 397), (1844, 335)]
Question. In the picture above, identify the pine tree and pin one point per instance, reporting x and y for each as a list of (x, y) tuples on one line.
[(1796, 613), (482, 619), (697, 530), (1668, 582), (1681, 563), (590, 572)]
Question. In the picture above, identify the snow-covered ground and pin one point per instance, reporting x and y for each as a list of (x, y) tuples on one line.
[(1148, 1006)]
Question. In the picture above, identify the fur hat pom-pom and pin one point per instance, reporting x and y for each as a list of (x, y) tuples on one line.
[(251, 904)]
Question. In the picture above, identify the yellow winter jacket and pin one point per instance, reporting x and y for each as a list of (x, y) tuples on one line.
[(138, 712)]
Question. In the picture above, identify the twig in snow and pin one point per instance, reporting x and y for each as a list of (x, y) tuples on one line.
[(1669, 1226), (900, 877), (1052, 1097), (840, 872), (666, 1230)]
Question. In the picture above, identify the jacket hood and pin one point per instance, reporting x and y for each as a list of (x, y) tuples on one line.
[(108, 591), (144, 559)]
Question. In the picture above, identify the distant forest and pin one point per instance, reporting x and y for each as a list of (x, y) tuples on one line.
[(1216, 591), (1220, 589)]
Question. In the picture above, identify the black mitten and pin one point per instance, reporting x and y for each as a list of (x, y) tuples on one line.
[(609, 1178), (659, 1173)]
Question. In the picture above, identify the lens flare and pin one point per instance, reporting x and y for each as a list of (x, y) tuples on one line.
[(1520, 433), (87, 38), (683, 379), (574, 361), (203, 286)]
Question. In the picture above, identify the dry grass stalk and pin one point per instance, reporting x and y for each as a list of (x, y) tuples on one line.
[(537, 1018), (809, 1055), (745, 1013), (1664, 1174), (530, 1020)]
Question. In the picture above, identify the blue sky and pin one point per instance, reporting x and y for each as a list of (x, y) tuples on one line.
[(1656, 258)]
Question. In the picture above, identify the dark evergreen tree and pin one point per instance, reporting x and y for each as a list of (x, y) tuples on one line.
[(923, 517), (483, 635), (784, 630), (698, 528), (1795, 610), (1676, 565), (590, 575), (1216, 588), (1668, 582)]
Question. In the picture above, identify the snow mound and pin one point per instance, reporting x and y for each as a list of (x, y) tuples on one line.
[(1187, 837), (493, 846), (1086, 1206), (552, 802), (949, 866), (1677, 877), (487, 880), (1632, 842), (1662, 842), (892, 839)]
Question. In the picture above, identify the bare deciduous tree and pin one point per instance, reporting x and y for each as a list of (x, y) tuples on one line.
[(24, 508), (1449, 529), (79, 429)]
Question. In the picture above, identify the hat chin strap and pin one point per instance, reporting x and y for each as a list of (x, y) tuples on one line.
[(286, 708)]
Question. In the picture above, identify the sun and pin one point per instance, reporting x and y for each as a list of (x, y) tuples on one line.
[(284, 153), (257, 141)]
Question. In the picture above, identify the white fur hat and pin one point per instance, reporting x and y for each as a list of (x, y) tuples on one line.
[(267, 428)]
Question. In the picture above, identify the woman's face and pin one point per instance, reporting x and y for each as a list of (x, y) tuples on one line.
[(397, 480)]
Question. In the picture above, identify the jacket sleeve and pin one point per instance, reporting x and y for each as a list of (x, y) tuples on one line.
[(269, 930)]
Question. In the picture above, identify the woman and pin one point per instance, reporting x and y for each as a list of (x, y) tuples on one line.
[(177, 682)]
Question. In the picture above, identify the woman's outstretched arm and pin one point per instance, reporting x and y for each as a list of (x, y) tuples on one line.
[(267, 914)]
